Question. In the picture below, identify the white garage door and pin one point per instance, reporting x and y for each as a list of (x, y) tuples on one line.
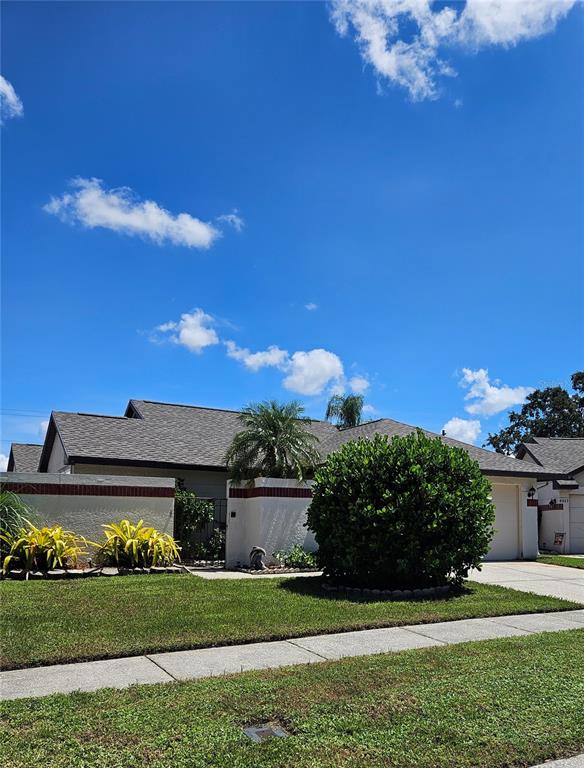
[(505, 544), (577, 523)]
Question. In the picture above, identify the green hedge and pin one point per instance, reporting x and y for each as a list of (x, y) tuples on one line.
[(401, 513)]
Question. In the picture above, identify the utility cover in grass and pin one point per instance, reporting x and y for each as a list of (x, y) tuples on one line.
[(259, 733)]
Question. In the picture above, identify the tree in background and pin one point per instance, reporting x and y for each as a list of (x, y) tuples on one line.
[(274, 442), (345, 410), (549, 412)]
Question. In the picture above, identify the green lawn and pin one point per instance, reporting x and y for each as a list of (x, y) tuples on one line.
[(52, 622), (510, 702), (571, 562)]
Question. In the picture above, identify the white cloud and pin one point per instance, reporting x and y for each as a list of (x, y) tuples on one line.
[(311, 306), (43, 426), (272, 356), (382, 31), (307, 373), (91, 205), (490, 398), (3, 462), (10, 104), (358, 384), (466, 430), (310, 372), (233, 219), (194, 331), (507, 22), (338, 388)]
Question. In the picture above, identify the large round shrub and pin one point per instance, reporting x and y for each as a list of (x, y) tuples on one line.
[(401, 513)]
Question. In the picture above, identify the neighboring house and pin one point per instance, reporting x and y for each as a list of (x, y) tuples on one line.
[(24, 457), (189, 442), (561, 500)]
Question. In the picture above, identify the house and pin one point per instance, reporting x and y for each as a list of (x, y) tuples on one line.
[(24, 457), (561, 499), (165, 440)]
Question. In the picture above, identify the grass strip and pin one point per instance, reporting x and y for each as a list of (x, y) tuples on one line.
[(59, 622), (566, 560), (508, 702)]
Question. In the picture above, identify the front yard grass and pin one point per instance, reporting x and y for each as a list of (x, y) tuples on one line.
[(57, 622), (570, 562), (510, 702)]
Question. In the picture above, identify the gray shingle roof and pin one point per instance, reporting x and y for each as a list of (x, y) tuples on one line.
[(557, 454), (173, 434), (24, 457), (489, 461), (163, 433)]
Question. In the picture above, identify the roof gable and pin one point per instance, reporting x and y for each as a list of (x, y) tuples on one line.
[(559, 454), (489, 461), (156, 433), (24, 457)]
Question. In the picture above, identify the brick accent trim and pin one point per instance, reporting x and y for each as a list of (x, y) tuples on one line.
[(532, 502), (58, 489), (283, 493), (546, 507)]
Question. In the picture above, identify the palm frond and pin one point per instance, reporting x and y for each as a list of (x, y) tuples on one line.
[(274, 442), (345, 410)]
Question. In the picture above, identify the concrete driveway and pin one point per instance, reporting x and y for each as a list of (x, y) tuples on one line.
[(553, 580)]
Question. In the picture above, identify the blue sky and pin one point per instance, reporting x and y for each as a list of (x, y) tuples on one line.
[(351, 213)]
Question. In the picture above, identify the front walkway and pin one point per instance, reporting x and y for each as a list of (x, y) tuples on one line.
[(211, 662), (527, 576)]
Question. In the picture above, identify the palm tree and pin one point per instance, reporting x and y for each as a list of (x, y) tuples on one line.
[(273, 443), (345, 410)]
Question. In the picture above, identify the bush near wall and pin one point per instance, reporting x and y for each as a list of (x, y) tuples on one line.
[(403, 513), (191, 516), (130, 545), (296, 557), (14, 516), (41, 549), (135, 545)]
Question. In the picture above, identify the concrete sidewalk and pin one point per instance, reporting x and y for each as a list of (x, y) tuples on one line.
[(211, 662), (568, 762), (526, 576)]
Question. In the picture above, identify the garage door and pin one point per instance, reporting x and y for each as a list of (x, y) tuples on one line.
[(577, 523), (505, 544)]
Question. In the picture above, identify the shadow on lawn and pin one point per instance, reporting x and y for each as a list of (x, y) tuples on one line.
[(312, 586)]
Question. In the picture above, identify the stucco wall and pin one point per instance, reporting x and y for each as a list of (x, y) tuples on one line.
[(207, 483), (60, 499), (270, 522), (525, 515), (278, 522), (57, 459), (561, 523)]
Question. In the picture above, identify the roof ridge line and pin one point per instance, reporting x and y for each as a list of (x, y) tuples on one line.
[(205, 408), (36, 445), (93, 415)]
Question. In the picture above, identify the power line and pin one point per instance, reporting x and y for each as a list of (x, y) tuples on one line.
[(16, 412)]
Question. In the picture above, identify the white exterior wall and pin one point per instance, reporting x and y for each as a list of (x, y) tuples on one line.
[(85, 515), (272, 523), (206, 483), (524, 522), (58, 459), (564, 521), (277, 523)]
